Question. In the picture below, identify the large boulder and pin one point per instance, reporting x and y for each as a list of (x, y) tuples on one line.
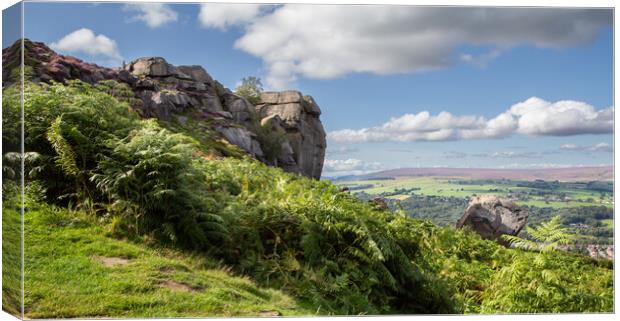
[(151, 67), (196, 73), (492, 217), (304, 131)]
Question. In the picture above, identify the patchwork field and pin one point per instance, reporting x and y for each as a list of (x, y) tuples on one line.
[(585, 206), (403, 186)]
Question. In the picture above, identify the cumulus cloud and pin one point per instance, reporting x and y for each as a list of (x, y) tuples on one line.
[(328, 41), (349, 166), (85, 41), (532, 117), (153, 14), (223, 15), (562, 118), (600, 147)]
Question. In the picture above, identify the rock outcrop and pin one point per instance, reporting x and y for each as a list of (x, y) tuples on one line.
[(170, 93), (43, 64), (299, 117), (492, 217)]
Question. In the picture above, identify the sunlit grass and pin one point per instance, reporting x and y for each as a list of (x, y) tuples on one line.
[(65, 277)]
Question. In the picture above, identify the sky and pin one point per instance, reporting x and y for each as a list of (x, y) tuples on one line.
[(399, 86)]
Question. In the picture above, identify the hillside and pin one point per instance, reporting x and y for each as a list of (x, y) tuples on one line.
[(93, 275), (549, 174), (157, 216)]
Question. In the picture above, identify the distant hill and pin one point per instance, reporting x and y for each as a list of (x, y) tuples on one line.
[(595, 173)]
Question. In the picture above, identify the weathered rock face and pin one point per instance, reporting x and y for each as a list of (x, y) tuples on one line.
[(152, 67), (492, 217), (300, 120), (172, 93), (243, 138)]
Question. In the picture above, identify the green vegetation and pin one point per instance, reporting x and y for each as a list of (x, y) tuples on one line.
[(250, 88), (11, 249), (142, 220), (91, 274), (539, 276)]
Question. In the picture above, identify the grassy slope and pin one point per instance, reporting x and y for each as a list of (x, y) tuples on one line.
[(64, 277), (11, 257)]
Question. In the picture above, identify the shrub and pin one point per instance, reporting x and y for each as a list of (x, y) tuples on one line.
[(151, 178), (61, 122), (250, 88), (321, 245)]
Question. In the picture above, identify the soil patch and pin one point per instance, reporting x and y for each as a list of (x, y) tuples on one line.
[(111, 261), (176, 286), (268, 313)]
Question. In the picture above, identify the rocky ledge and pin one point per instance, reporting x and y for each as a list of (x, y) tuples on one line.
[(172, 93)]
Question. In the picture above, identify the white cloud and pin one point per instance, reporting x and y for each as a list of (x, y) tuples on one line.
[(349, 166), (85, 41), (153, 14), (600, 147), (562, 118), (328, 41), (223, 15), (532, 117), (509, 154), (342, 150), (571, 147), (481, 60)]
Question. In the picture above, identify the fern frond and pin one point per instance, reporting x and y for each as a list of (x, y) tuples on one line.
[(66, 158)]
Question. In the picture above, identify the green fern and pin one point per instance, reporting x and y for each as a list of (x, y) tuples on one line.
[(66, 158), (547, 237)]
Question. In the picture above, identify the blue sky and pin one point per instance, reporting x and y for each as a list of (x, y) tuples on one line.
[(375, 70)]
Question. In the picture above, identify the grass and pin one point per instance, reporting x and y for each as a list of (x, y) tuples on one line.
[(608, 223), (441, 186), (11, 257), (65, 276)]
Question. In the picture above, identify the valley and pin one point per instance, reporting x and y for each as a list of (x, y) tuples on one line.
[(585, 206)]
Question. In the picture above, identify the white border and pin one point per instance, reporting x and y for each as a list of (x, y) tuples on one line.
[(527, 3)]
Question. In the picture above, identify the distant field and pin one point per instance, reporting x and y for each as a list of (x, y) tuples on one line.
[(447, 186), (571, 174), (609, 223)]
